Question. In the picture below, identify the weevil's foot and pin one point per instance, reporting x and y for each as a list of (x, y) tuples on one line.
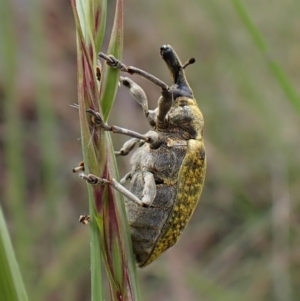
[(113, 62), (75, 106), (98, 120), (78, 168), (96, 117), (84, 219), (94, 180)]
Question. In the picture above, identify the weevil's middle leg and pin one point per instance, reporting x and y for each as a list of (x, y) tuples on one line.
[(127, 147), (92, 179), (151, 137)]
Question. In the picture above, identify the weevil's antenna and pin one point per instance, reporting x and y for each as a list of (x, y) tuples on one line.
[(191, 61)]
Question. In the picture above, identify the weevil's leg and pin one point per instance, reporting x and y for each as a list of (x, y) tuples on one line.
[(140, 97), (164, 105), (127, 147), (137, 93), (91, 179), (84, 219), (126, 177), (149, 191), (115, 63), (151, 137), (79, 167)]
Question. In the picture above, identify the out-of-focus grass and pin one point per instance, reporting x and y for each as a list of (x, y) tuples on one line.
[(245, 231), (11, 283), (273, 65)]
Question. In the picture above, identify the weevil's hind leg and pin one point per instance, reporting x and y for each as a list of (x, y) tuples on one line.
[(92, 179), (151, 137), (149, 191)]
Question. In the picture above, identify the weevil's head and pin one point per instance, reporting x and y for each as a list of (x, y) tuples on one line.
[(180, 87), (177, 103)]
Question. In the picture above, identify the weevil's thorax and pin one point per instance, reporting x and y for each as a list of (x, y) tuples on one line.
[(184, 118)]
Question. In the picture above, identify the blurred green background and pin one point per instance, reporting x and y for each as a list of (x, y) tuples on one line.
[(243, 241)]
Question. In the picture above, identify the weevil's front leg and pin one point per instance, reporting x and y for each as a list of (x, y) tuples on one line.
[(140, 97), (115, 63), (137, 93), (92, 179), (164, 106), (151, 137)]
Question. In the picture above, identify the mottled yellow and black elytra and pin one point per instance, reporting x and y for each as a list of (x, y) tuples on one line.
[(168, 164)]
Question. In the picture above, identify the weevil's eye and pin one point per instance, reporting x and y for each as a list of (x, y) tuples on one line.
[(186, 91), (181, 91)]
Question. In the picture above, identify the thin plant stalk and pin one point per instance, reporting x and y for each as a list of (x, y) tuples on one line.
[(110, 237)]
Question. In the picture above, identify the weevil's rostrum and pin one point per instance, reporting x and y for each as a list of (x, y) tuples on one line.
[(168, 166)]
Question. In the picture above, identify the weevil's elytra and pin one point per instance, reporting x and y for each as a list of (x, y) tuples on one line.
[(168, 165)]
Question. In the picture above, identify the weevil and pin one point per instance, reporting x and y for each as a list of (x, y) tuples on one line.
[(168, 165)]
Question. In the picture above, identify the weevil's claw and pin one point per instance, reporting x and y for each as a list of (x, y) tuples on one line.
[(94, 180), (78, 168), (75, 105), (98, 120), (113, 62), (94, 113), (96, 117), (84, 219)]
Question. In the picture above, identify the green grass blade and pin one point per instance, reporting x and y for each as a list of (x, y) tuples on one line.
[(11, 284), (276, 70), (14, 186), (110, 80)]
